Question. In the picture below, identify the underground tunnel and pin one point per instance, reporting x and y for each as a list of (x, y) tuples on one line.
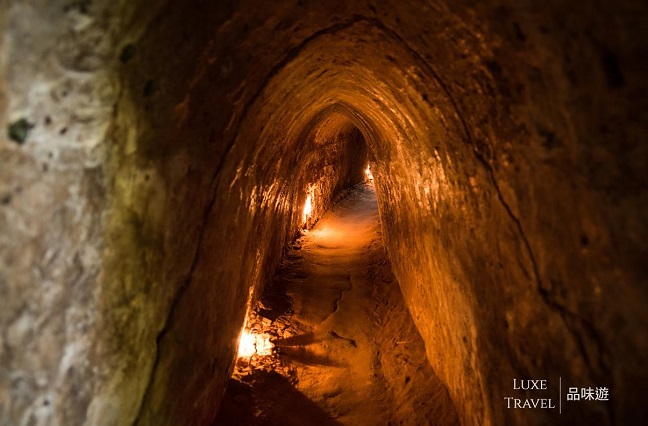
[(346, 212)]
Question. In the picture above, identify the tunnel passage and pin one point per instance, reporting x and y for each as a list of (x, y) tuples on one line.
[(159, 155), (330, 340)]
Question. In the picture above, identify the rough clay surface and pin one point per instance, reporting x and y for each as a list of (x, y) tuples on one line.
[(172, 144)]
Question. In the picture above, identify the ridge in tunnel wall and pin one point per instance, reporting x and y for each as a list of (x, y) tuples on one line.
[(507, 145)]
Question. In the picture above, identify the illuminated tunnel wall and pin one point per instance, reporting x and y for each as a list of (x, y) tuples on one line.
[(172, 148)]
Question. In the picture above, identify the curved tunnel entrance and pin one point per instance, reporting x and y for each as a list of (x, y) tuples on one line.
[(451, 197), (463, 234)]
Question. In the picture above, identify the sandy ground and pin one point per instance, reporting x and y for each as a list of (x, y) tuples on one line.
[(346, 350)]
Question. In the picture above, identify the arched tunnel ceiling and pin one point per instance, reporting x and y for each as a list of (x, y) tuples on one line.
[(174, 144)]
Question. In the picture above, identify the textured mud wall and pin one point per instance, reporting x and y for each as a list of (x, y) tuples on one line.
[(169, 149), (57, 94)]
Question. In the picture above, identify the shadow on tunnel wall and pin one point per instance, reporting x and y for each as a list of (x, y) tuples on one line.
[(273, 396)]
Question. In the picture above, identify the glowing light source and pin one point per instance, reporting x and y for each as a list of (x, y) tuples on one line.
[(254, 344), (308, 208), (368, 173)]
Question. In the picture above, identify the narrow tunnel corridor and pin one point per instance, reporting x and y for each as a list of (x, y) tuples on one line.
[(175, 172), (345, 348)]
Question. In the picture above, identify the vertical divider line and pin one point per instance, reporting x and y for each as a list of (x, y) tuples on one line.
[(559, 394)]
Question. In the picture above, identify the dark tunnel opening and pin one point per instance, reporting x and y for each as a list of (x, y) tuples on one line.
[(158, 158)]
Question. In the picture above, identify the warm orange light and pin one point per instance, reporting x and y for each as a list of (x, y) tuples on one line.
[(308, 208), (254, 344), (368, 172)]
